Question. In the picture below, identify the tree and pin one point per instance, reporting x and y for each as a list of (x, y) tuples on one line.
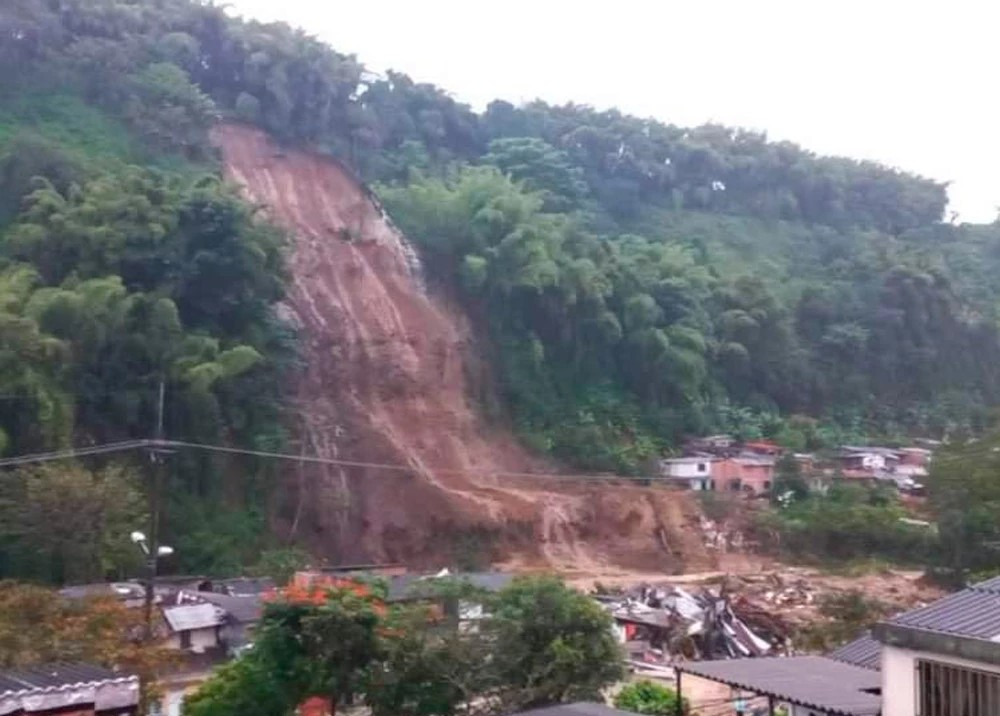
[(539, 642), (280, 564), (168, 110), (63, 523), (311, 641), (965, 495), (39, 626), (648, 697), (788, 479), (551, 644)]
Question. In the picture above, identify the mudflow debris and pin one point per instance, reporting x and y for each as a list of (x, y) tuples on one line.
[(737, 618)]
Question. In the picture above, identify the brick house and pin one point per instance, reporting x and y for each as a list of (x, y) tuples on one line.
[(752, 474)]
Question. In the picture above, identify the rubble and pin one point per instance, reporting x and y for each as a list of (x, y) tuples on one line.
[(664, 622)]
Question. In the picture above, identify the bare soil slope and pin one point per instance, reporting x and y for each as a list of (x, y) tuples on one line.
[(385, 380)]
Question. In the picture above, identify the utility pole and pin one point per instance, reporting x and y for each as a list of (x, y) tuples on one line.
[(156, 459)]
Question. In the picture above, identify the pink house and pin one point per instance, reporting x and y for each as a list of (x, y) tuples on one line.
[(753, 474)]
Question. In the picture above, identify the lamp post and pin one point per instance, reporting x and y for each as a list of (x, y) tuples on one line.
[(152, 554)]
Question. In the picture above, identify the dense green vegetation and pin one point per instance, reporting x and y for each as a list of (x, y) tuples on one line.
[(634, 280), (540, 643)]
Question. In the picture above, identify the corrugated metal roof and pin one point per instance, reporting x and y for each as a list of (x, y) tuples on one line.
[(194, 616), (973, 613), (52, 676), (812, 681), (864, 651), (577, 709)]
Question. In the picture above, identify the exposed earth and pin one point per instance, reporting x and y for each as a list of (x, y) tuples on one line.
[(388, 371)]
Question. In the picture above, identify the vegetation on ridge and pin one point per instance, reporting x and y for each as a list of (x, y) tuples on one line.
[(636, 280)]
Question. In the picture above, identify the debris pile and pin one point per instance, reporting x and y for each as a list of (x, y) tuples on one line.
[(660, 624)]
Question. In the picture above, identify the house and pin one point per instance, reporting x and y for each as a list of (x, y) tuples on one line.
[(710, 444), (240, 586), (944, 659), (194, 628), (914, 457), (68, 690), (240, 614), (870, 459), (762, 447), (194, 625), (694, 472), (749, 473)]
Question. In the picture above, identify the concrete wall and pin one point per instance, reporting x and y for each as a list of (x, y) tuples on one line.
[(695, 467), (899, 677), (201, 639)]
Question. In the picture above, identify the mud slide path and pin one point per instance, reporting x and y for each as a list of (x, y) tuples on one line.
[(384, 380)]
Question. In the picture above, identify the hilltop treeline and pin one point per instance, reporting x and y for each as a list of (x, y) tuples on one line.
[(636, 280)]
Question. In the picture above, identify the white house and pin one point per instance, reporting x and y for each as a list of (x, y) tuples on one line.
[(695, 472), (944, 659)]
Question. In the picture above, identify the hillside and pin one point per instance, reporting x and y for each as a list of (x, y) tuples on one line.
[(385, 383), (582, 289)]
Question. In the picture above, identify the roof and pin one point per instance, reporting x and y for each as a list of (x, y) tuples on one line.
[(240, 609), (243, 586), (120, 590), (55, 676), (577, 709), (974, 613), (864, 651), (411, 586), (812, 681), (853, 450), (186, 617)]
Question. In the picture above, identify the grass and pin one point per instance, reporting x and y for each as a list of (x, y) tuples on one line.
[(66, 120), (83, 131)]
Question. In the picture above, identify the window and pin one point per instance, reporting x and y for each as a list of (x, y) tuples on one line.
[(702, 467), (185, 640), (767, 484), (945, 690), (734, 485)]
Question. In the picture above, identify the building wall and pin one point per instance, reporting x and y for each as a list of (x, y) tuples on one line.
[(899, 677), (755, 477), (686, 468), (201, 639)]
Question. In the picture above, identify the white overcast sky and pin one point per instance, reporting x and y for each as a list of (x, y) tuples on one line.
[(910, 83)]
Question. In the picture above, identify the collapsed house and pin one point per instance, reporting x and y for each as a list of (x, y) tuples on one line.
[(661, 624)]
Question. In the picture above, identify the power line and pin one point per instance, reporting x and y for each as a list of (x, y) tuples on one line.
[(153, 444), (71, 453), (395, 467)]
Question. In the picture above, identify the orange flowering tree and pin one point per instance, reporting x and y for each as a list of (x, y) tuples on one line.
[(315, 640)]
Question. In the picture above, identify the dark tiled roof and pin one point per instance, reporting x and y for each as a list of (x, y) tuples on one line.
[(864, 651), (972, 613), (119, 590), (243, 610), (244, 586), (812, 681), (578, 709), (53, 676)]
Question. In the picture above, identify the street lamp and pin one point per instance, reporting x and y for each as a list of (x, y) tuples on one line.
[(152, 555)]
